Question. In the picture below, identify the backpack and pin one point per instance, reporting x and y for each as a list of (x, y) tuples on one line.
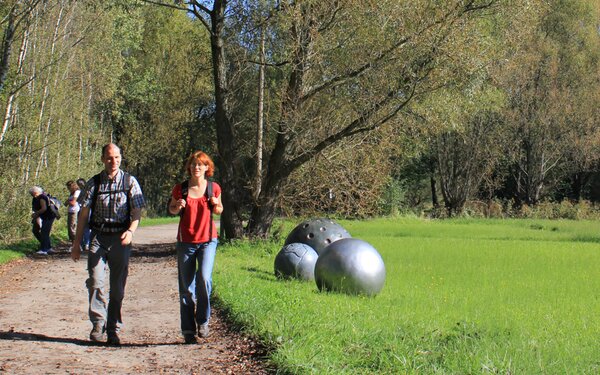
[(54, 205), (126, 188)]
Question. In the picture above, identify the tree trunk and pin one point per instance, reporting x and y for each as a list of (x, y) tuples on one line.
[(9, 34), (260, 117), (578, 181), (44, 131), (434, 197), (263, 213), (11, 112), (231, 223)]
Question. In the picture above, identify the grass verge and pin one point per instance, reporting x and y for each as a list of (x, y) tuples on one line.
[(461, 296)]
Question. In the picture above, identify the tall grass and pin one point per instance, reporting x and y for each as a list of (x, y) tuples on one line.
[(461, 296)]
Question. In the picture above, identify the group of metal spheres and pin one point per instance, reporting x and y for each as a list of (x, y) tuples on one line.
[(322, 250)]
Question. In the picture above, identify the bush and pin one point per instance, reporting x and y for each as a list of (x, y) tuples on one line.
[(582, 210), (560, 210)]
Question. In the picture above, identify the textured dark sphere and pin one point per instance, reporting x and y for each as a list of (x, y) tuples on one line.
[(296, 260), (351, 266), (317, 233)]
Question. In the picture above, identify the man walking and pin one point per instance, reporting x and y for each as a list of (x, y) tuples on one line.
[(115, 200)]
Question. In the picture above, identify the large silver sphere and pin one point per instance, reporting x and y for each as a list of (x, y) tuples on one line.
[(296, 260), (351, 266), (317, 233)]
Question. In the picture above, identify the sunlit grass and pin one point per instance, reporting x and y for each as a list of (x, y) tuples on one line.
[(147, 221), (461, 296)]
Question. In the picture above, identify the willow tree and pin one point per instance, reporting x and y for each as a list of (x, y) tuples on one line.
[(344, 68)]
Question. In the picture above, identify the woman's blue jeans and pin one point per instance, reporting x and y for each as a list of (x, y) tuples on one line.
[(195, 265)]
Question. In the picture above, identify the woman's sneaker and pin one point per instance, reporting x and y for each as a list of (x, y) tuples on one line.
[(203, 330)]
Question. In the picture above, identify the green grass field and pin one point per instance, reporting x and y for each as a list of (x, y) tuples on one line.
[(461, 296)]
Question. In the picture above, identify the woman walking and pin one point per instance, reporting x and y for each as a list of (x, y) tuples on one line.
[(195, 200)]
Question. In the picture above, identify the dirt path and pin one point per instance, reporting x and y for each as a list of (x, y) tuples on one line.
[(44, 326)]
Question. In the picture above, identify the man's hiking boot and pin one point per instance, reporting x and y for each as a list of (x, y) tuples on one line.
[(97, 334), (113, 339), (190, 338), (203, 330)]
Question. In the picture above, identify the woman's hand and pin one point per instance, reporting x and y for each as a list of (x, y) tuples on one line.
[(176, 205), (215, 203), (179, 204)]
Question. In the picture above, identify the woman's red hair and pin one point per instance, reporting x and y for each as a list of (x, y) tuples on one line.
[(201, 157)]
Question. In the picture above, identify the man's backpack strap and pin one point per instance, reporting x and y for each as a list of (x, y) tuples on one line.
[(97, 180), (127, 188)]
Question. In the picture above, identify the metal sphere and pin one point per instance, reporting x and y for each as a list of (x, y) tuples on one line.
[(317, 233), (351, 266), (296, 260)]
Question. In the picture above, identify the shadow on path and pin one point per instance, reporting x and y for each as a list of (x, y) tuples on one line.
[(138, 251), (23, 336)]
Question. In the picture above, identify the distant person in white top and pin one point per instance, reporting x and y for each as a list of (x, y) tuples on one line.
[(73, 208)]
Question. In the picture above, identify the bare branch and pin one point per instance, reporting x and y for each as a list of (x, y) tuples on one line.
[(160, 3), (339, 80), (361, 124), (195, 6), (331, 20), (275, 64), (198, 5)]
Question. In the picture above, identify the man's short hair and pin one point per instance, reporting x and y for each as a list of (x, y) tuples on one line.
[(109, 145)]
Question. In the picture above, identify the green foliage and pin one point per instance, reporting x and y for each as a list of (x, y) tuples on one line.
[(392, 198), (117, 72), (461, 296), (49, 132), (155, 104), (141, 75)]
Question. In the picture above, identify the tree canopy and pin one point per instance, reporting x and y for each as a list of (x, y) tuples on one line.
[(307, 107)]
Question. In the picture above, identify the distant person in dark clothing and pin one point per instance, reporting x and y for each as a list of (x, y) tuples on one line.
[(42, 219)]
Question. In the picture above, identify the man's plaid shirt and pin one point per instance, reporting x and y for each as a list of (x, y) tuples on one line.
[(111, 205)]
